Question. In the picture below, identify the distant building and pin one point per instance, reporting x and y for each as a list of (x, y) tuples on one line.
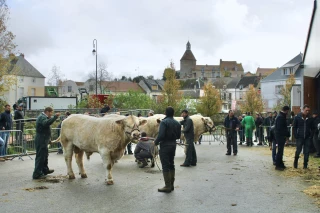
[(153, 88), (30, 82), (190, 69), (264, 72), (272, 85)]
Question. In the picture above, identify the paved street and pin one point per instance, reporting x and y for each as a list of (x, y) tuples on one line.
[(219, 183)]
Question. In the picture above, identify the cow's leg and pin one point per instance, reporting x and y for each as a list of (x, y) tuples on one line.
[(68, 152), (79, 160), (108, 164)]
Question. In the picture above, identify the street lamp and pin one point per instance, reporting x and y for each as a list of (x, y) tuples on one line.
[(95, 52)]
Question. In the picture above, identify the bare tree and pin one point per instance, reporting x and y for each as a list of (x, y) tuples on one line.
[(55, 78), (103, 76)]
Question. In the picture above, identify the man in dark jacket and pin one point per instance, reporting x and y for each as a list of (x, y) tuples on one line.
[(43, 134), (105, 109), (188, 131), (231, 124), (5, 124), (267, 123), (169, 132), (259, 133), (275, 115), (18, 117), (281, 135), (302, 127), (144, 150), (315, 132)]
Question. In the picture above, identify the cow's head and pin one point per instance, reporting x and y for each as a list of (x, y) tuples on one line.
[(131, 126), (208, 123)]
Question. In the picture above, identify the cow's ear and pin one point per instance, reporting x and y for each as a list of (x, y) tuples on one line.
[(142, 122), (203, 119), (158, 121), (121, 121)]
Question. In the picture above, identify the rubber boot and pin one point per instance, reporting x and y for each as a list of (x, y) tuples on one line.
[(295, 163), (172, 175), (248, 141), (305, 165), (251, 143), (167, 181)]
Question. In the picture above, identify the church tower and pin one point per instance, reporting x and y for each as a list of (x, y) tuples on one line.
[(187, 63)]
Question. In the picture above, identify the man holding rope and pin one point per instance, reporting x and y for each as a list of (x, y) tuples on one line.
[(169, 132)]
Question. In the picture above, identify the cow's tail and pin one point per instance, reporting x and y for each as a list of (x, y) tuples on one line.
[(57, 140)]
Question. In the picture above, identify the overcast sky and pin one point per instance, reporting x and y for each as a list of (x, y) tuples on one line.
[(140, 37)]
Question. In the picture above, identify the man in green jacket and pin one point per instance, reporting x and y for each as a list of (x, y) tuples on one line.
[(42, 139), (249, 124)]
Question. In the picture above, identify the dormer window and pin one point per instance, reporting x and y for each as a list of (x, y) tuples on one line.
[(154, 87), (286, 71), (241, 87), (291, 71)]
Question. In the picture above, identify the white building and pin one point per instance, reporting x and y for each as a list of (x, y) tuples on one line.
[(271, 86), (30, 82)]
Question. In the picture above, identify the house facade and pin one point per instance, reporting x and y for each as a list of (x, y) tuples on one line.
[(153, 88), (30, 82), (272, 85)]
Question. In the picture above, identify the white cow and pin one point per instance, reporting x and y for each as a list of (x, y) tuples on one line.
[(152, 126), (108, 135)]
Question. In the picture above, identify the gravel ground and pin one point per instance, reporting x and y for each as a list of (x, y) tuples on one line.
[(219, 183)]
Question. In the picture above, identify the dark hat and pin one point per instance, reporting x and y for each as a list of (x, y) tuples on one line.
[(186, 111), (285, 108), (275, 112)]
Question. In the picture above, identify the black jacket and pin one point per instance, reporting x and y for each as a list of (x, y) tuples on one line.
[(268, 121), (6, 120), (188, 129), (281, 128), (315, 123), (18, 115), (302, 128), (258, 122), (234, 121), (169, 132)]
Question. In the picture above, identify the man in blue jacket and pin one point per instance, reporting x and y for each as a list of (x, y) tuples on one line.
[(281, 133), (302, 127)]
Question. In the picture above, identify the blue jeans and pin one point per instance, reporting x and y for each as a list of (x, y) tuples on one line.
[(303, 143), (3, 149)]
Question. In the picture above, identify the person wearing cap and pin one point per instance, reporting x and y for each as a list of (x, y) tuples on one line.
[(18, 116), (231, 124), (315, 132), (281, 135), (105, 109), (188, 131), (150, 113), (302, 127)]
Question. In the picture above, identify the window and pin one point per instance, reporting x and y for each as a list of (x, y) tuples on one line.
[(154, 87), (21, 79), (90, 88), (241, 87), (240, 95), (154, 97), (21, 92), (278, 89), (230, 96), (70, 88), (286, 71), (33, 91), (291, 71), (33, 80), (224, 96)]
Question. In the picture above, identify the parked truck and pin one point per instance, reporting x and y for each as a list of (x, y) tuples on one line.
[(39, 103)]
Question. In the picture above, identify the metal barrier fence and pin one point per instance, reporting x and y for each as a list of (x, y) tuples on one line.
[(20, 140)]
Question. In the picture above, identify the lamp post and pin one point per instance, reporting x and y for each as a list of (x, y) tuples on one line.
[(95, 52)]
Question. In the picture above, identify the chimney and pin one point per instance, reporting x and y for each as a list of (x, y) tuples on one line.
[(21, 54)]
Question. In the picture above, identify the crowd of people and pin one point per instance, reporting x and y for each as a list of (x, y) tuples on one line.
[(277, 127)]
